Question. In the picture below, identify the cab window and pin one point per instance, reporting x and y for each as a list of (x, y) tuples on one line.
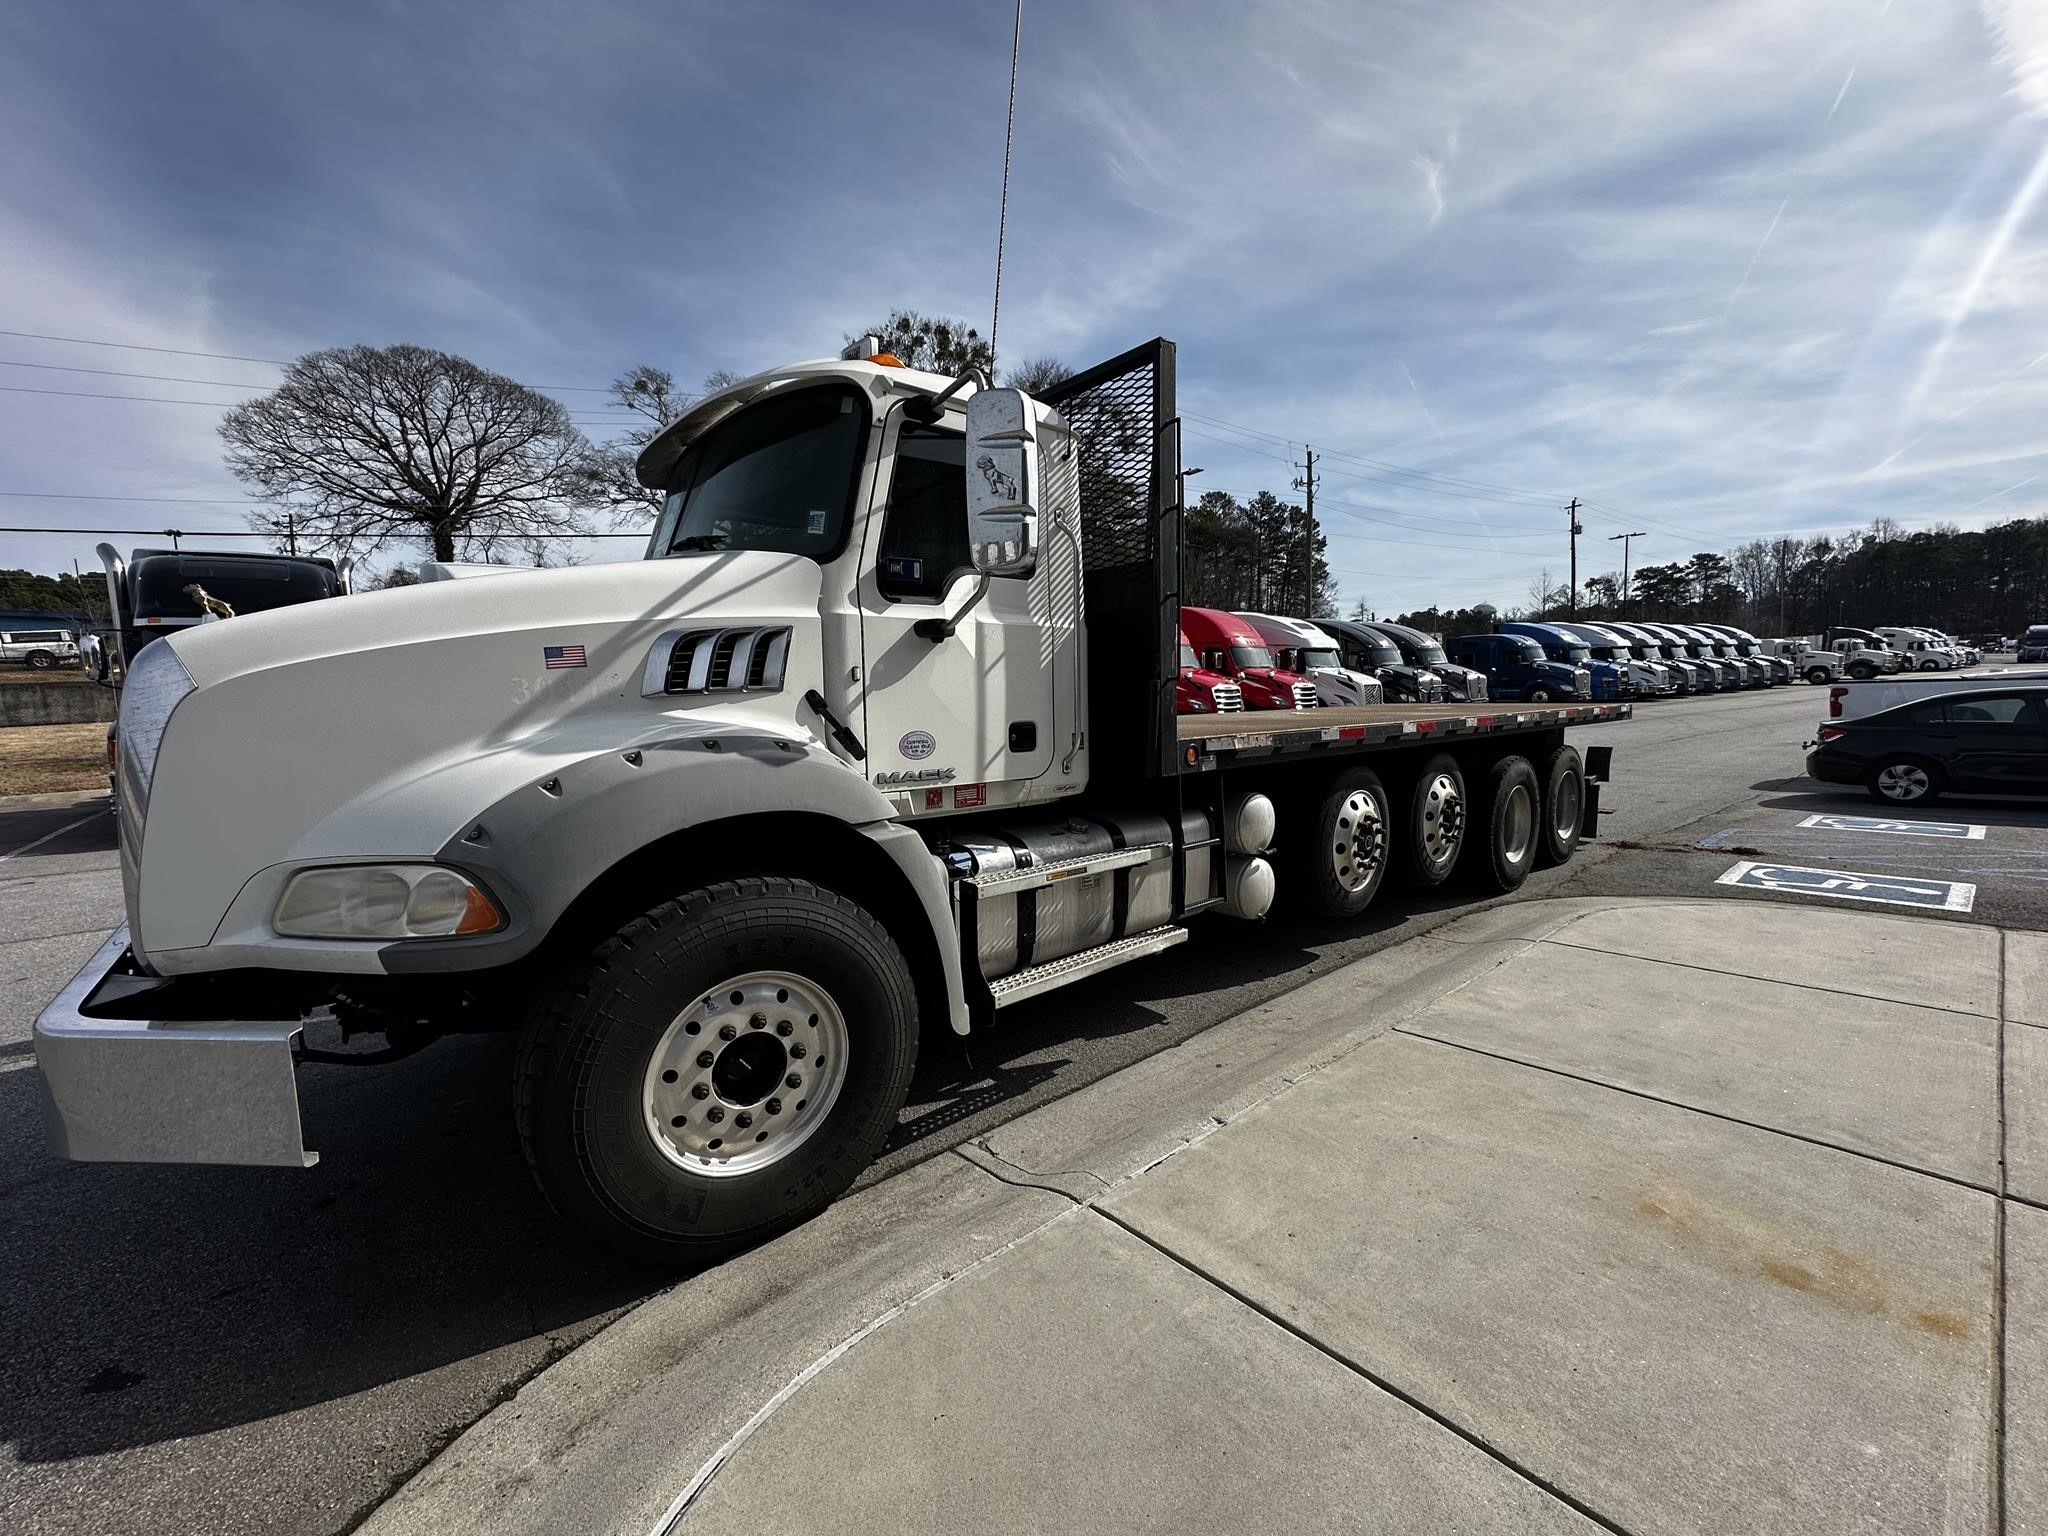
[(924, 529)]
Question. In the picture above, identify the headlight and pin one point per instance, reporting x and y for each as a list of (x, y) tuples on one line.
[(152, 689), (385, 901)]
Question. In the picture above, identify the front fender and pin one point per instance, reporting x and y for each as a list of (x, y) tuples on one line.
[(539, 848)]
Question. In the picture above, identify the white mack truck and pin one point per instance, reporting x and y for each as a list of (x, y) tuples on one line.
[(860, 749)]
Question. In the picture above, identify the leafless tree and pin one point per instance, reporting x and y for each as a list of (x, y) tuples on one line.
[(361, 447), (1035, 375), (651, 394)]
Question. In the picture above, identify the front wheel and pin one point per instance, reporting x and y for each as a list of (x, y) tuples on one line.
[(41, 661), (1904, 781), (722, 1068), (1818, 675), (1863, 672), (1539, 695), (1930, 666)]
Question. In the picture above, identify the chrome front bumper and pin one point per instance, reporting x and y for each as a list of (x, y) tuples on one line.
[(166, 1091)]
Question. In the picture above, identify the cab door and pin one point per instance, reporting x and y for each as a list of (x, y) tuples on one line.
[(965, 720)]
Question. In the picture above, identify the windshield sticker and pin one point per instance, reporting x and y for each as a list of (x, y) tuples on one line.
[(815, 524)]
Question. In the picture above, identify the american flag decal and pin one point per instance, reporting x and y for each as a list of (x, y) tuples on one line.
[(563, 656)]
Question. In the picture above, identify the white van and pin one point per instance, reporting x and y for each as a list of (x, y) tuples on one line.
[(38, 649)]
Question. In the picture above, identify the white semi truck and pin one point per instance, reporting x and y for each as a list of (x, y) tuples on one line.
[(882, 735)]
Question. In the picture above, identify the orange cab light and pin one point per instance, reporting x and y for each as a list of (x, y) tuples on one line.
[(888, 360)]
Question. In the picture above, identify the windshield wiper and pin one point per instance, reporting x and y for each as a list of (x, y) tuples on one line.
[(700, 541)]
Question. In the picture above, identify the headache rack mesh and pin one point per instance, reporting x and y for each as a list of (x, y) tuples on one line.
[(1127, 455)]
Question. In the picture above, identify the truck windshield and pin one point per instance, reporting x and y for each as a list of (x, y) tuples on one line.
[(1576, 654), (1309, 659), (1251, 656), (1187, 656), (1530, 650), (779, 475)]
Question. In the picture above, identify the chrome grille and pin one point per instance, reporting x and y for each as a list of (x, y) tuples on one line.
[(745, 659), (1228, 698), (1305, 696)]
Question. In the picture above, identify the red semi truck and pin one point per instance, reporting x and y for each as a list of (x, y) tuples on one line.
[(1227, 644)]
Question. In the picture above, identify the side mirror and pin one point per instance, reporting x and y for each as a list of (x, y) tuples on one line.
[(1002, 482)]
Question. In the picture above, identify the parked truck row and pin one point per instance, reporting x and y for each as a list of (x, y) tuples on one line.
[(888, 730)]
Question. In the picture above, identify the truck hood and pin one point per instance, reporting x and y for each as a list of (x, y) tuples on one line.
[(606, 608), (376, 725)]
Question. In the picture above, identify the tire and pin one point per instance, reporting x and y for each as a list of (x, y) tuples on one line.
[(40, 661), (1538, 695), (1510, 819), (1564, 801), (1819, 675), (1920, 780), (1344, 859), (622, 1039), (1432, 833), (1863, 671), (1930, 666)]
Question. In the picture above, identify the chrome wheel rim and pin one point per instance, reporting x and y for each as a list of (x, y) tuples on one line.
[(1443, 818), (1518, 825), (746, 1074), (1570, 804), (1360, 845), (1903, 781)]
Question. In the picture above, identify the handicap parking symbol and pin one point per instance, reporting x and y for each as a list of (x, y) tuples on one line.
[(1957, 829), (1847, 885)]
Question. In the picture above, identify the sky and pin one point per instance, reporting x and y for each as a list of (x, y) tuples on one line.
[(1720, 270)]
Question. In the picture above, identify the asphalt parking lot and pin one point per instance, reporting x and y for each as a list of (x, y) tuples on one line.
[(221, 1349)]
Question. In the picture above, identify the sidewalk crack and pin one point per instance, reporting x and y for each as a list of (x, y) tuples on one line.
[(1399, 1394)]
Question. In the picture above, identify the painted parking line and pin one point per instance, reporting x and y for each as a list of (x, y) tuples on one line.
[(1956, 829), (1846, 885)]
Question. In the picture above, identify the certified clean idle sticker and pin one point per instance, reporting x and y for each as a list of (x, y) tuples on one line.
[(917, 745)]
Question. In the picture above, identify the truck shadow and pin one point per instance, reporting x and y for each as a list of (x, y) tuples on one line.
[(964, 1087), (147, 1304)]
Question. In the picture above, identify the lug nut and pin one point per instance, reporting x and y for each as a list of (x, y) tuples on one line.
[(758, 1021), (743, 1120), (705, 1058), (700, 1091), (714, 1114), (774, 1106), (795, 1080), (798, 1052), (727, 1032), (785, 1028)]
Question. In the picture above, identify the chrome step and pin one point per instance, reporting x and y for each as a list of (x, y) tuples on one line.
[(1003, 882), (1019, 985)]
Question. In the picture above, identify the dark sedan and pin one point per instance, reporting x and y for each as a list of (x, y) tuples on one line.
[(1993, 742)]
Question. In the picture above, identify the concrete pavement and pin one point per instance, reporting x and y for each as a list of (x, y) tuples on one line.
[(1572, 1215)]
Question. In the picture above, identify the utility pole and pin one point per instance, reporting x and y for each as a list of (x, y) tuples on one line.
[(1306, 483), (291, 533), (1571, 598), (1627, 539)]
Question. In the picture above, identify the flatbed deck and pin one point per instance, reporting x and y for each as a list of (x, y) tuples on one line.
[(1207, 741)]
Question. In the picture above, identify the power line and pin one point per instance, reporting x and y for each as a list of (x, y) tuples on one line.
[(227, 357), (243, 533), (134, 346), (115, 373)]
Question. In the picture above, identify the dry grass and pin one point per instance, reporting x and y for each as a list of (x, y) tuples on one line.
[(43, 759), (14, 672)]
